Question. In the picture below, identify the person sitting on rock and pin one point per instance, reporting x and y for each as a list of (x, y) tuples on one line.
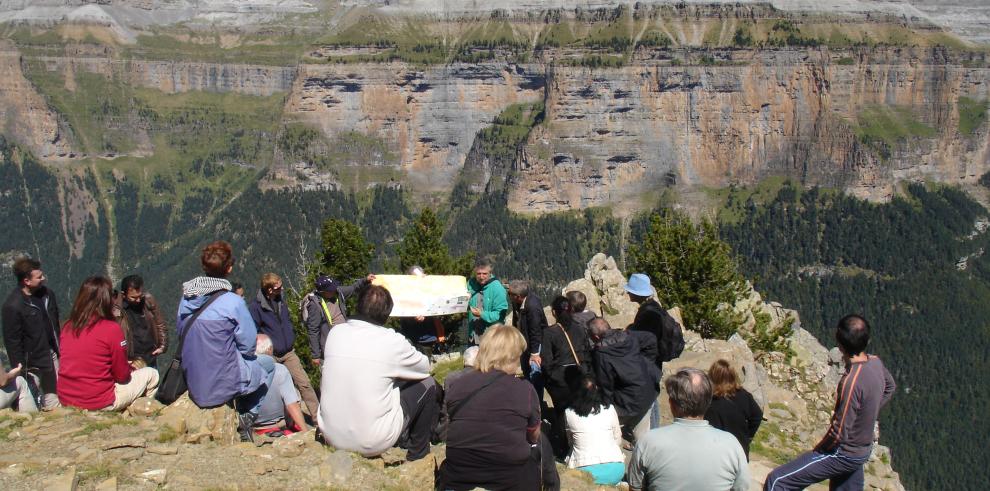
[(846, 447), (282, 399), (93, 371), (376, 390), (219, 357), (494, 421), (14, 392), (594, 434), (733, 408), (566, 357), (627, 379), (690, 453)]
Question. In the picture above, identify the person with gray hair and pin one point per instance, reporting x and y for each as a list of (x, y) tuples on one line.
[(625, 376), (528, 317), (690, 453), (282, 402)]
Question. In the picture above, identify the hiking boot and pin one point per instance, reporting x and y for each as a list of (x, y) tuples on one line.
[(245, 426)]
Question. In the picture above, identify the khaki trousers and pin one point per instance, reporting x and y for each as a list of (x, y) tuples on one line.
[(144, 383), (301, 380)]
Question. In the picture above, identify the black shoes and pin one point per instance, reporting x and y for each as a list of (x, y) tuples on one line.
[(245, 426)]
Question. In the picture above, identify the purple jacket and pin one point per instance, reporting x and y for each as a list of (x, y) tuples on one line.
[(218, 356)]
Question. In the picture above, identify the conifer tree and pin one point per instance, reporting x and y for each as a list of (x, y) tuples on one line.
[(691, 268), (423, 246)]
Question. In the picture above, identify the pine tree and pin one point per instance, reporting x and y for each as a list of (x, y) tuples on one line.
[(345, 255), (690, 267), (423, 246)]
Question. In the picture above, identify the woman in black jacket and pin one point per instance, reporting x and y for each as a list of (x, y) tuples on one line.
[(733, 409), (565, 358)]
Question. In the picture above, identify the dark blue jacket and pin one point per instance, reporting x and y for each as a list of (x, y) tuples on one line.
[(273, 320)]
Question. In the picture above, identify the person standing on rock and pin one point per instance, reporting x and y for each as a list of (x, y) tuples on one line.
[(733, 408), (528, 317), (488, 303), (326, 307), (376, 390), (840, 456), (218, 356), (271, 315), (654, 319), (95, 373), (138, 315), (626, 378), (688, 454), (31, 329)]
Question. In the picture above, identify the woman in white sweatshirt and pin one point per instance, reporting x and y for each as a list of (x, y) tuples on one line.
[(595, 434)]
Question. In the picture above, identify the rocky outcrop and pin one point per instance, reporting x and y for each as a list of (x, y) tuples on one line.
[(24, 113), (795, 389)]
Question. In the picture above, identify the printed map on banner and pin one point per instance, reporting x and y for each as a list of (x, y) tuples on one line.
[(425, 295)]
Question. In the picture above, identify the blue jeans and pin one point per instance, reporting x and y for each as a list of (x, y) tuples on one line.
[(844, 473), (251, 403)]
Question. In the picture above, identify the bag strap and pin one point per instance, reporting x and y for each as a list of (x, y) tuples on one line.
[(192, 318), (453, 411), (570, 344)]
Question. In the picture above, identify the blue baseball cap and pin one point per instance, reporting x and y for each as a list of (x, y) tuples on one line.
[(325, 283)]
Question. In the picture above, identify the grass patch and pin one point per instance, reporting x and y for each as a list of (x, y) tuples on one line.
[(94, 426), (167, 434), (883, 127), (10, 423), (441, 370), (771, 442), (972, 115)]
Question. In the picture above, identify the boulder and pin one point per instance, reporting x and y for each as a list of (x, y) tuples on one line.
[(588, 288), (218, 424), (145, 407)]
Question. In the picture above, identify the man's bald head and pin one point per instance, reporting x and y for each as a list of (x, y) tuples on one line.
[(264, 345), (852, 334), (598, 327), (690, 392)]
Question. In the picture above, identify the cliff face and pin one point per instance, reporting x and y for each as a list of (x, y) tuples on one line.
[(24, 113), (615, 133)]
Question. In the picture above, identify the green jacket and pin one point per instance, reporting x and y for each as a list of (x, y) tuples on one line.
[(495, 305)]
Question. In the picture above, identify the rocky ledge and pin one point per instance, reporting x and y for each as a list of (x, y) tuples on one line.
[(183, 447)]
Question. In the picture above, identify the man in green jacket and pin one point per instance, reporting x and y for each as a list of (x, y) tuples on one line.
[(489, 302)]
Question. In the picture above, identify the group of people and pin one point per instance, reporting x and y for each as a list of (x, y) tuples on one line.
[(377, 391)]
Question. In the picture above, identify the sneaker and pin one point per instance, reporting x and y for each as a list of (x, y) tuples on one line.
[(245, 426)]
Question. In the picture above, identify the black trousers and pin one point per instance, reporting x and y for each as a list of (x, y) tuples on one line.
[(420, 413)]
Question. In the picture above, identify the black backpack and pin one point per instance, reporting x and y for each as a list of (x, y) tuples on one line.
[(672, 339)]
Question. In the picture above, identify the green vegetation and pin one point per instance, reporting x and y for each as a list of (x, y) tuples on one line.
[(690, 267), (166, 434), (884, 127), (972, 115), (423, 246), (911, 245), (441, 370), (845, 61), (771, 442), (110, 422), (763, 339)]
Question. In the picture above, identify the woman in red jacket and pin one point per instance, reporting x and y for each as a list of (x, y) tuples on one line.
[(94, 372)]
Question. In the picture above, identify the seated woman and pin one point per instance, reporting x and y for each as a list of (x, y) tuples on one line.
[(595, 434), (218, 356), (565, 359), (93, 371), (733, 409), (494, 420)]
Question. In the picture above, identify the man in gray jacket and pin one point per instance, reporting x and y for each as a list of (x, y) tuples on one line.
[(326, 307)]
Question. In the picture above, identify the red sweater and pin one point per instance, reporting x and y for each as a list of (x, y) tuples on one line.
[(90, 364)]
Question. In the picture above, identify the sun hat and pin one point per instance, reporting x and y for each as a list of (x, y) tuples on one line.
[(639, 284)]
